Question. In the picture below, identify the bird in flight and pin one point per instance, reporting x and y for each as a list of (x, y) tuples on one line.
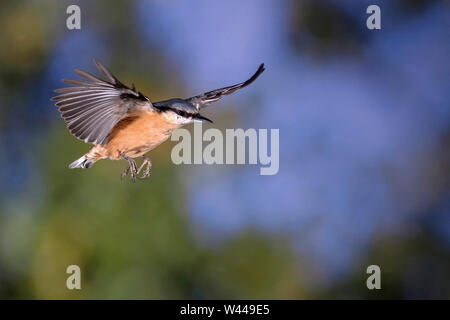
[(124, 124)]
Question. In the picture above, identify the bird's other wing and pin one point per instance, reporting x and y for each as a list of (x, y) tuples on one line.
[(93, 107), (206, 98)]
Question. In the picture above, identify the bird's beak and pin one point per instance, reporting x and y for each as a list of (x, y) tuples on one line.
[(199, 117)]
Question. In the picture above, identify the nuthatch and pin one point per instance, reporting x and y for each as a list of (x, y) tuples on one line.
[(121, 122)]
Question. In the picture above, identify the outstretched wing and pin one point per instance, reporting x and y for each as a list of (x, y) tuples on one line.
[(206, 98), (92, 108)]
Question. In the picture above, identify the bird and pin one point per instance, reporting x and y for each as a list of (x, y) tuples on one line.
[(121, 122)]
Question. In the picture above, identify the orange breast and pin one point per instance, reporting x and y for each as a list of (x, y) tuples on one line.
[(139, 133)]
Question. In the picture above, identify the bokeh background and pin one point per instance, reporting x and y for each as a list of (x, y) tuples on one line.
[(364, 152)]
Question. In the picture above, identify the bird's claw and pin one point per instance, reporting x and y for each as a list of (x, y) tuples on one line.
[(132, 169), (124, 173), (133, 175), (146, 173)]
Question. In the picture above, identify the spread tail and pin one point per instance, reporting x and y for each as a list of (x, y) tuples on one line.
[(83, 163)]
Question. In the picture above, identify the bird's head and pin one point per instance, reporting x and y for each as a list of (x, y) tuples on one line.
[(180, 112)]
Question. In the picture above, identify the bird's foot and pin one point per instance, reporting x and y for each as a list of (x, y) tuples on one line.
[(148, 163), (132, 168), (124, 173)]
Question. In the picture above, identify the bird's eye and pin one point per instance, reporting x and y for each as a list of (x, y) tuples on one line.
[(177, 116), (180, 114)]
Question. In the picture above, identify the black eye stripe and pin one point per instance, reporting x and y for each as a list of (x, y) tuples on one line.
[(178, 111), (182, 113)]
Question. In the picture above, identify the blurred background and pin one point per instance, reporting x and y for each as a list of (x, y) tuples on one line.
[(364, 152)]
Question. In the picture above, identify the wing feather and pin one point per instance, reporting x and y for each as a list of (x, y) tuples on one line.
[(92, 107), (206, 98)]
